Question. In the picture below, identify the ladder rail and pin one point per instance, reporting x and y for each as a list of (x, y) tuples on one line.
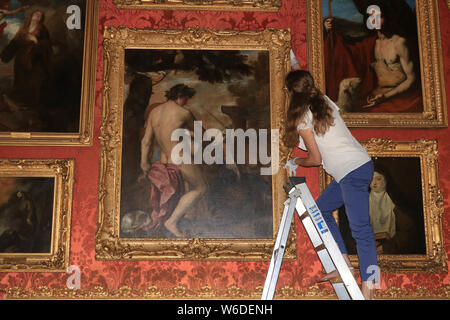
[(279, 247)]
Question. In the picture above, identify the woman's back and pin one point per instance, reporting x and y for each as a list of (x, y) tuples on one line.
[(341, 152)]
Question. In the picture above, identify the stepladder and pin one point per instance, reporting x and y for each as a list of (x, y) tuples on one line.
[(300, 200)]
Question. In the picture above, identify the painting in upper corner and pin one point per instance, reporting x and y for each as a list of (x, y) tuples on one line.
[(47, 71), (225, 5), (378, 60)]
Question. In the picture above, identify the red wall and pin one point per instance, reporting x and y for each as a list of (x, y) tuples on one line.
[(221, 279)]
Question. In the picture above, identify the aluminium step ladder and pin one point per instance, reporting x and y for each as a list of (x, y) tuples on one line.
[(301, 200)]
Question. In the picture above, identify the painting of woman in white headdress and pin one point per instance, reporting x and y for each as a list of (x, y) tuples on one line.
[(396, 207)]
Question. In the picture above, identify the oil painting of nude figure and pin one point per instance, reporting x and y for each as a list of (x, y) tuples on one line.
[(194, 90), (372, 60), (41, 65)]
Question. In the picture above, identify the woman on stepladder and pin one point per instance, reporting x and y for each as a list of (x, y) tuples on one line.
[(314, 119)]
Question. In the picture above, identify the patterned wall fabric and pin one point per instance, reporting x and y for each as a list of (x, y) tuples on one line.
[(174, 279)]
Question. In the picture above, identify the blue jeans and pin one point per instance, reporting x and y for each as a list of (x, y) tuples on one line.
[(353, 192)]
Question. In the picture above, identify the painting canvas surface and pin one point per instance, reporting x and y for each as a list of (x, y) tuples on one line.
[(41, 65), (372, 69), (396, 209), (232, 91), (26, 214)]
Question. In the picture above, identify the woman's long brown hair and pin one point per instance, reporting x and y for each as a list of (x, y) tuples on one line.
[(304, 96)]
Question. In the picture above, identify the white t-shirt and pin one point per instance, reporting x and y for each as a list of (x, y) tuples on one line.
[(341, 152)]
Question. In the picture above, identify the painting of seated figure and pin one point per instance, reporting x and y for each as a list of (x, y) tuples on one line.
[(369, 57)]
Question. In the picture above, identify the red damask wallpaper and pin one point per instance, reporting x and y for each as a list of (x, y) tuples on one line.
[(187, 279)]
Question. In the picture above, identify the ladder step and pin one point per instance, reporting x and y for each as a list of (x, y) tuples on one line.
[(341, 291), (320, 247), (304, 215)]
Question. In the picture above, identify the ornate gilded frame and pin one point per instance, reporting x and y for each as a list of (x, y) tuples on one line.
[(109, 245), (87, 96), (57, 260), (226, 5), (432, 71), (182, 292), (433, 207)]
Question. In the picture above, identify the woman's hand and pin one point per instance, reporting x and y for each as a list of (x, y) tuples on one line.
[(292, 166)]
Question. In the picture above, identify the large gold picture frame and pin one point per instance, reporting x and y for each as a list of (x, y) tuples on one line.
[(431, 70), (226, 5), (426, 152), (88, 58), (109, 243), (60, 173)]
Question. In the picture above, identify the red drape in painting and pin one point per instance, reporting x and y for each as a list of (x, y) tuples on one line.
[(344, 60)]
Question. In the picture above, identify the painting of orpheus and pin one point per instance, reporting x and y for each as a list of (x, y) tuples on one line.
[(396, 208), (195, 90), (41, 64), (372, 63), (26, 214)]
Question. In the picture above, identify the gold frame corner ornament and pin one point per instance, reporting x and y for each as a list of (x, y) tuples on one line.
[(57, 260), (84, 136), (435, 258), (223, 5), (109, 245), (434, 114)]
